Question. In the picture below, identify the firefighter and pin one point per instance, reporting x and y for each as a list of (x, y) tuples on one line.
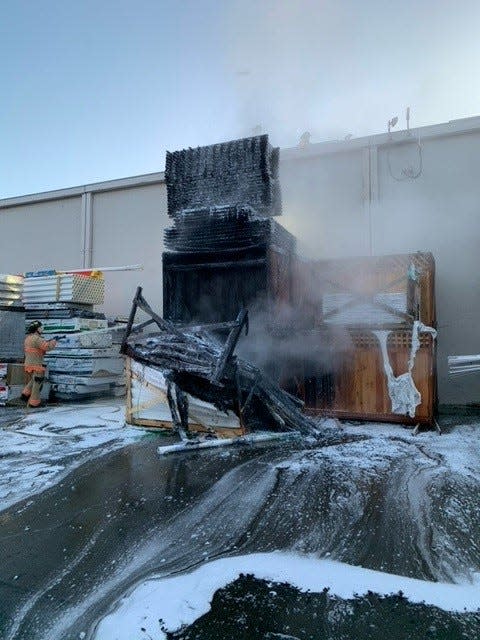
[(35, 348)]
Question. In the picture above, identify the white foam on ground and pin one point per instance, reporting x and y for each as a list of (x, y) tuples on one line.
[(41, 448), (182, 599)]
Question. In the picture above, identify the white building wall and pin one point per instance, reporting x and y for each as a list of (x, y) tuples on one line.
[(323, 199), (439, 212), (128, 227), (41, 235)]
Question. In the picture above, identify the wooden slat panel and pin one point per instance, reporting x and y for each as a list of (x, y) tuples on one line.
[(360, 382)]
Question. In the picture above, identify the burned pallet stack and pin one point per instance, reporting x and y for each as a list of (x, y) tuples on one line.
[(225, 250), (225, 253)]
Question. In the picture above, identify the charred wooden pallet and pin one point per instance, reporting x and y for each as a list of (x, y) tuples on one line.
[(195, 363)]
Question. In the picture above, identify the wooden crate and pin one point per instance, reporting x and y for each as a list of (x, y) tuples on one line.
[(354, 387), (354, 384)]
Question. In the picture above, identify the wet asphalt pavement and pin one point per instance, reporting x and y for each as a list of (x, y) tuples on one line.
[(55, 547), (392, 504)]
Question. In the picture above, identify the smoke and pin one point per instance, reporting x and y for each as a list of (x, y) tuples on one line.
[(340, 68), (285, 344)]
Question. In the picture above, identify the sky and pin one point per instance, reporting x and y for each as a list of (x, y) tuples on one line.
[(98, 90)]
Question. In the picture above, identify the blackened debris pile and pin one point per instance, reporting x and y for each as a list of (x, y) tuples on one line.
[(204, 368), (239, 172)]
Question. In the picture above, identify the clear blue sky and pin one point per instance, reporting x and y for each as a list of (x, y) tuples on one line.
[(95, 90)]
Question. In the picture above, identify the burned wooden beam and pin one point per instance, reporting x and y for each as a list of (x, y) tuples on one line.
[(230, 344)]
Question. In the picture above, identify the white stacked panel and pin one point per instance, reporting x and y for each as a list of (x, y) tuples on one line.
[(86, 365), (72, 325), (94, 366), (67, 287), (86, 340), (11, 289), (364, 313)]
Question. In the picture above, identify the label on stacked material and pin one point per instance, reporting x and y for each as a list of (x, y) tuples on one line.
[(68, 325), (62, 378), (67, 287), (86, 340), (107, 352), (98, 367)]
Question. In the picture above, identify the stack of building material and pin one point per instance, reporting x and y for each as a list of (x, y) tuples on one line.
[(12, 333), (12, 318), (63, 302), (225, 250), (51, 286), (11, 288), (237, 172), (220, 228), (84, 364)]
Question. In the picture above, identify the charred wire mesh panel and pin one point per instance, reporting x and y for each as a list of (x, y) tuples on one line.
[(241, 172)]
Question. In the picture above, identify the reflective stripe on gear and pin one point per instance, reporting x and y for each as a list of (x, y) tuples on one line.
[(36, 352), (34, 368)]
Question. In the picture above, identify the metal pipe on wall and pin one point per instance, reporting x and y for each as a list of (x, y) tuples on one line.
[(87, 229)]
